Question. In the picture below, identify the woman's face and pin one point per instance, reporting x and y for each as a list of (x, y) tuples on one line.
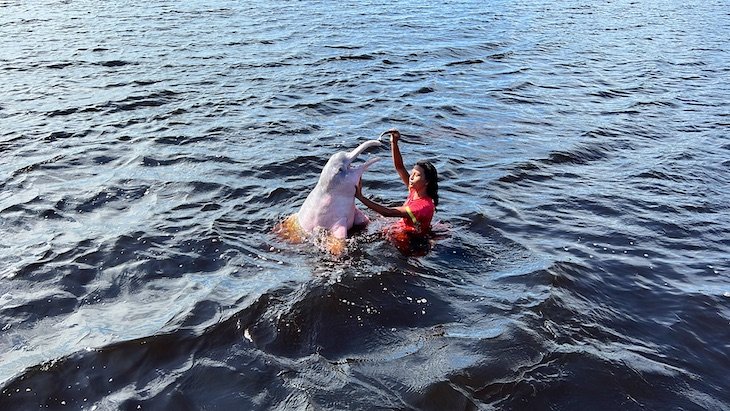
[(417, 179)]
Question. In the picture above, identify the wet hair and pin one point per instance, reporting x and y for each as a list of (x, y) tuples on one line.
[(432, 178)]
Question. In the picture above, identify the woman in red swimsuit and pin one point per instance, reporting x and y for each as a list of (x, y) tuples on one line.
[(417, 211)]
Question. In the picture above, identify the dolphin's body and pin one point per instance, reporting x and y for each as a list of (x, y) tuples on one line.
[(331, 204)]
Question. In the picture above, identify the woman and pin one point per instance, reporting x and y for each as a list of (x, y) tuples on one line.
[(417, 211)]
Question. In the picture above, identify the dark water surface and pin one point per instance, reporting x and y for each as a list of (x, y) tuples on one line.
[(149, 148)]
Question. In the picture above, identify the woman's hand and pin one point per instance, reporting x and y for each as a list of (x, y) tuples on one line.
[(394, 135)]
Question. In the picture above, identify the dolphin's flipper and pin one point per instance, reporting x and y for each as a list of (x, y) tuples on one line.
[(360, 217), (290, 230), (336, 243), (339, 230)]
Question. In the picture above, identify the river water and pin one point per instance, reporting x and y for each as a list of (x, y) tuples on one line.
[(149, 149)]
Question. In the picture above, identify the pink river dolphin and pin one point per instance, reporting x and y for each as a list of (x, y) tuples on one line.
[(330, 205)]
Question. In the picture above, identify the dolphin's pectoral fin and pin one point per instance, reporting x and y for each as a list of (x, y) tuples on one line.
[(290, 230), (360, 217), (336, 243), (339, 231)]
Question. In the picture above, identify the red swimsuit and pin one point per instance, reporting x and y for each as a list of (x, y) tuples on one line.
[(410, 235), (420, 212)]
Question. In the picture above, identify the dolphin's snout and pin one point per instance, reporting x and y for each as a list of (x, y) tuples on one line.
[(369, 163), (362, 147)]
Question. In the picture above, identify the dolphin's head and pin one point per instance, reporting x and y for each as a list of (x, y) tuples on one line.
[(339, 171)]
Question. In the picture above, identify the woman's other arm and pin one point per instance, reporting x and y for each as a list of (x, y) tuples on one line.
[(378, 208), (397, 158)]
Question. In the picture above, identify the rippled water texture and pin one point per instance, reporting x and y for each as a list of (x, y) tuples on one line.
[(149, 148)]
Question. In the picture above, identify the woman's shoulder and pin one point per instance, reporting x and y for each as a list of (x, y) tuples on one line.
[(426, 200), (413, 196)]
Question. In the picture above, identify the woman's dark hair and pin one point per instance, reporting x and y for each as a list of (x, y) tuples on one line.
[(432, 177)]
